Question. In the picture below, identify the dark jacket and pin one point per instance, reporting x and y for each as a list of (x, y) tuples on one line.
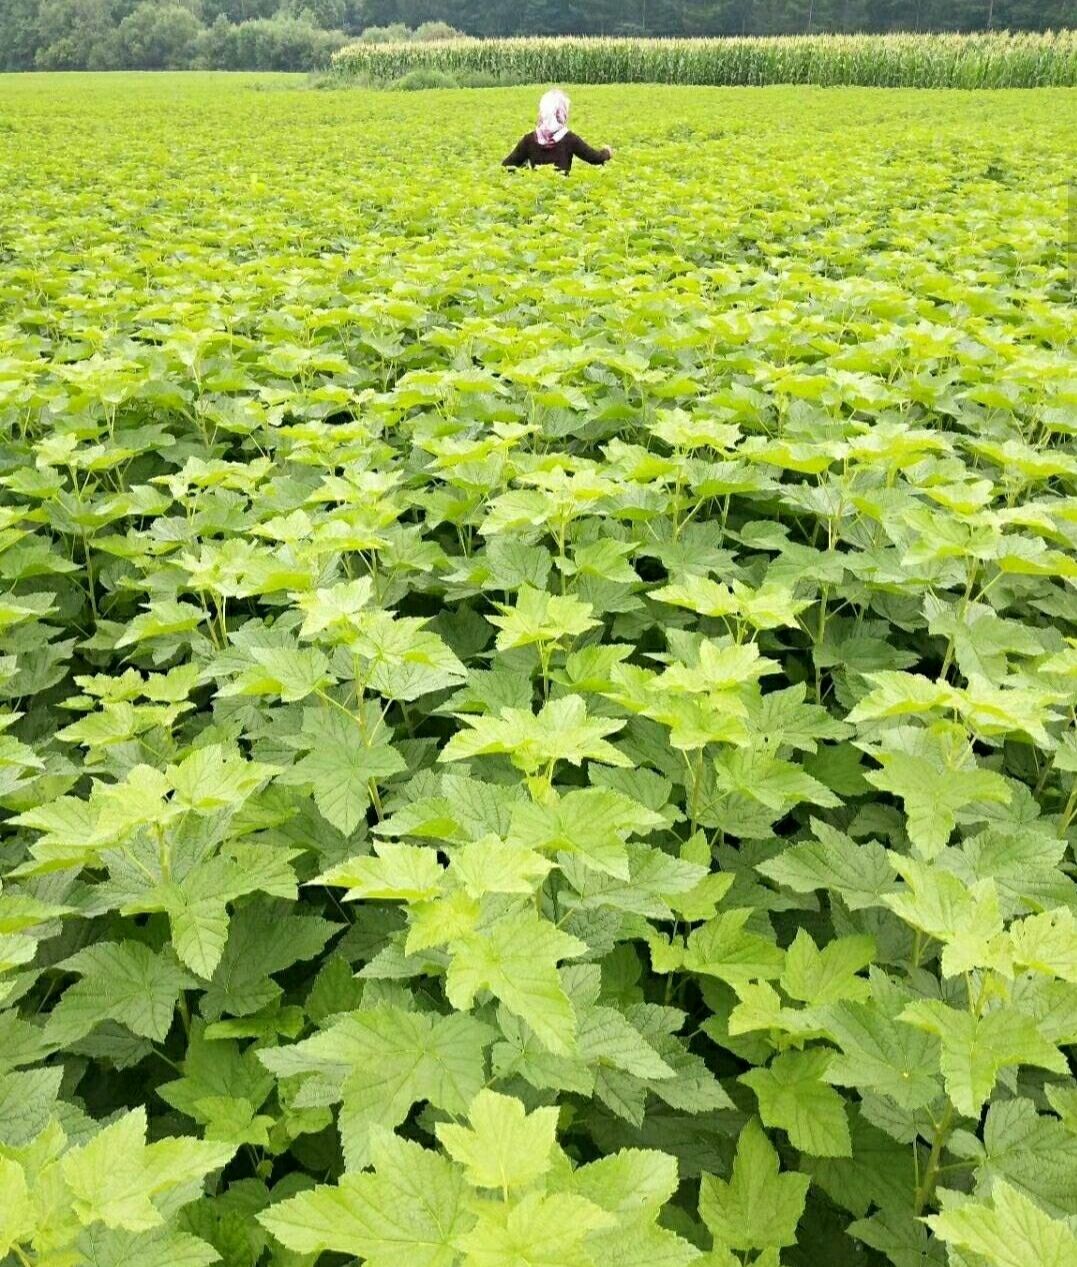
[(560, 154)]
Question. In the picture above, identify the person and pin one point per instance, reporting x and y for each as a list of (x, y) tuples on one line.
[(552, 143)]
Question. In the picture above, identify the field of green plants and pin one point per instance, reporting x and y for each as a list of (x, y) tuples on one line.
[(538, 716), (985, 60)]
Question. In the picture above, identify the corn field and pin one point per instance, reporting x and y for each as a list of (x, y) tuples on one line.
[(991, 60)]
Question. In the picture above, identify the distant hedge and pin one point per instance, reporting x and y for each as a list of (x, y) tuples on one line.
[(155, 36), (266, 44)]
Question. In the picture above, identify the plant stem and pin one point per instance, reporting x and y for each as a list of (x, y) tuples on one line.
[(375, 798), (545, 652), (1070, 811), (89, 576), (926, 1189), (966, 598)]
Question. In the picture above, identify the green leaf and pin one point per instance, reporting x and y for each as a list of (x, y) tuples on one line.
[(819, 977), (1047, 943), (793, 1096), (120, 981), (113, 1247), (1009, 1231), (902, 694), (699, 594), (1033, 1152), (291, 673), (560, 731), (264, 938), (539, 617), (409, 1212), (976, 1048), (628, 1182), (967, 919), (504, 1147), (880, 1172), (516, 959), (723, 948), (341, 767), (860, 873), (234, 1121), (117, 1178), (881, 1053), (219, 1069), (334, 609), (164, 618), (382, 1062), (213, 778), (491, 865), (641, 1243), (27, 1101), (399, 872), (935, 784), (756, 775), (18, 1217), (904, 1240), (21, 1043), (758, 1207), (594, 823), (536, 1231), (199, 934), (786, 720), (720, 669)]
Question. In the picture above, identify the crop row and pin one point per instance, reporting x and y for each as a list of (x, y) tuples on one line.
[(996, 60)]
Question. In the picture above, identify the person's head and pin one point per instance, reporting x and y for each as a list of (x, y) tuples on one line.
[(552, 117)]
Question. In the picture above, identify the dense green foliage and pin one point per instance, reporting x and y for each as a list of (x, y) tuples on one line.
[(538, 716), (912, 61), (300, 34)]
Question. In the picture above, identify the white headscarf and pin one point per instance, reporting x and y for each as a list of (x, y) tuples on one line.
[(552, 117)]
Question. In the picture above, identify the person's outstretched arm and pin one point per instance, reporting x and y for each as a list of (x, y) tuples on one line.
[(595, 157), (518, 157)]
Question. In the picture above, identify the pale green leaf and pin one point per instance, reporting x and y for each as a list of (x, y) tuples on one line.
[(504, 1146), (757, 1207), (1008, 1231)]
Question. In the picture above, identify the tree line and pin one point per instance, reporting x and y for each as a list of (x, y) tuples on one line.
[(301, 34)]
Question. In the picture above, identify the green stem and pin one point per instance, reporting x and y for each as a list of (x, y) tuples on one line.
[(210, 620), (168, 1060), (926, 1189), (819, 635), (324, 695), (375, 797), (695, 769), (966, 598), (545, 652), (562, 530), (89, 576), (677, 486), (1070, 811)]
